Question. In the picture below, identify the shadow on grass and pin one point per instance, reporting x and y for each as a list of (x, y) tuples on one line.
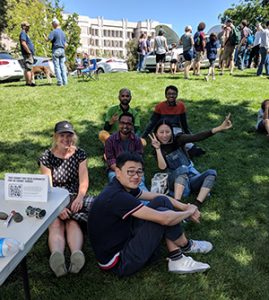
[(235, 217), (17, 85), (244, 75), (235, 214), (21, 157)]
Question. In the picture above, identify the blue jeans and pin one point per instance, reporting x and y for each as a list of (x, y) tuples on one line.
[(140, 64), (264, 61), (241, 57), (194, 181), (58, 58)]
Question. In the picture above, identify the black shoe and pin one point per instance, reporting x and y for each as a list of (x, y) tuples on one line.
[(195, 151), (30, 84)]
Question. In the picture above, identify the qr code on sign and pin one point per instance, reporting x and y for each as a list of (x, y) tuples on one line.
[(15, 190)]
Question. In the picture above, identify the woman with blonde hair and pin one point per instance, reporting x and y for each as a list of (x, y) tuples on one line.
[(66, 166)]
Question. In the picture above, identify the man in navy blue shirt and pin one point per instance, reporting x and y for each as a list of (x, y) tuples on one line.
[(125, 234), (58, 41), (27, 51)]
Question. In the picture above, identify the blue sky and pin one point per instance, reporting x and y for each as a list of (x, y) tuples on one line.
[(179, 13)]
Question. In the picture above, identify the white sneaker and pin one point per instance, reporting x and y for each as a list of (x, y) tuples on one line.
[(186, 265), (199, 247)]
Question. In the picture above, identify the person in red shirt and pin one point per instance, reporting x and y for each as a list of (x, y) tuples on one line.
[(173, 111)]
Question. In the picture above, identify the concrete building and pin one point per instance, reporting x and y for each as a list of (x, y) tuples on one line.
[(109, 37)]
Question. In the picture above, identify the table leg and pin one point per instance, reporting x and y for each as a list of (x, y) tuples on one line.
[(25, 279)]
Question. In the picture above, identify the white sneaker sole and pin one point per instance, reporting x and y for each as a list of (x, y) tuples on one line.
[(191, 271)]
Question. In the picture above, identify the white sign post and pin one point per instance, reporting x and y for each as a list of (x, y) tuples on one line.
[(27, 187)]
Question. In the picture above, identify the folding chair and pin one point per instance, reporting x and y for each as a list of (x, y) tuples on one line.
[(90, 72)]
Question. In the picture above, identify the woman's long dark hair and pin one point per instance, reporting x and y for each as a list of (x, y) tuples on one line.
[(163, 122), (263, 104)]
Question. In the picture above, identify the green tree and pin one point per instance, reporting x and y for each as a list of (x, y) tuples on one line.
[(72, 31), (40, 14), (252, 10), (3, 17), (132, 58)]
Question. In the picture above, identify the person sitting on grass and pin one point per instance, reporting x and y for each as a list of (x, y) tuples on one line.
[(171, 155), (66, 166), (121, 141), (113, 113), (175, 112), (125, 234), (262, 125)]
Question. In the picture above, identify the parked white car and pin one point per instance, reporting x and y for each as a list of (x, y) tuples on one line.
[(150, 60), (10, 68), (111, 65)]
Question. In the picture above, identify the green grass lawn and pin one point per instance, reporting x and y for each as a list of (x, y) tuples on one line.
[(235, 218)]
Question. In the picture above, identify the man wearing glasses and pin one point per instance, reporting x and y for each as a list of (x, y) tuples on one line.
[(125, 234), (123, 140)]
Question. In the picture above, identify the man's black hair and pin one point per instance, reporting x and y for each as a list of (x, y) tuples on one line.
[(121, 91), (171, 87), (127, 114), (128, 156), (201, 26)]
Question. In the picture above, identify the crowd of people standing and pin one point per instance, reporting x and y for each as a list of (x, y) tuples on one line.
[(234, 46)]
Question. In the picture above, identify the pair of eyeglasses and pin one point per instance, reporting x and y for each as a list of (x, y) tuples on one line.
[(126, 123), (139, 173)]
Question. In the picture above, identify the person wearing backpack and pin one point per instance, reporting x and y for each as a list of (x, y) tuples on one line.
[(199, 46), (242, 47), (230, 41)]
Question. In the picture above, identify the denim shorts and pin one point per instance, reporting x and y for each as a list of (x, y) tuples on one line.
[(188, 55)]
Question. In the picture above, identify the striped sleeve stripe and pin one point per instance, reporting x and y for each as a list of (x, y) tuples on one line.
[(132, 211), (115, 259), (139, 194)]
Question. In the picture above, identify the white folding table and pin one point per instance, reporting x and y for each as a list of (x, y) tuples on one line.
[(29, 230)]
